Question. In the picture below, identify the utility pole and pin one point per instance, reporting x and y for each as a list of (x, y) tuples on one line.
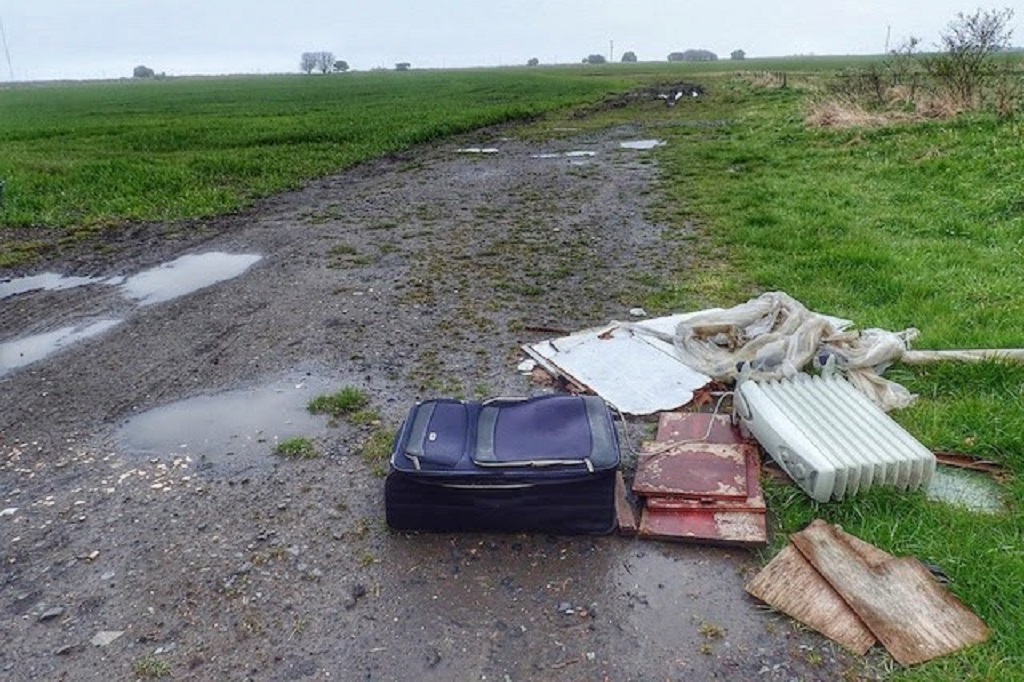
[(7, 52)]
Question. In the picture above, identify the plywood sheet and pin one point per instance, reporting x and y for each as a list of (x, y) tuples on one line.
[(912, 615), (624, 511), (791, 585)]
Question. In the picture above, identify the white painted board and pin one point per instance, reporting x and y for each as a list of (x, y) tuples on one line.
[(628, 370)]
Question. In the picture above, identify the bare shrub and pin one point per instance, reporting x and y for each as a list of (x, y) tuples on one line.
[(966, 64), (908, 85), (1008, 92), (866, 86)]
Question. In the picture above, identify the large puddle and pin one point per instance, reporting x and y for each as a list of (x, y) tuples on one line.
[(229, 431), (564, 155), (165, 282), (47, 281), (29, 349), (974, 491), (641, 145), (185, 275)]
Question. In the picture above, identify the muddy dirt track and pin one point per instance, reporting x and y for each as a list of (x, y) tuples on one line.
[(410, 277)]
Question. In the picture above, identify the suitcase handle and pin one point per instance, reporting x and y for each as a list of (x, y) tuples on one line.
[(537, 463), (504, 399)]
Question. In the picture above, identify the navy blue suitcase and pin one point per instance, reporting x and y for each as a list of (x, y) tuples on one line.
[(543, 464)]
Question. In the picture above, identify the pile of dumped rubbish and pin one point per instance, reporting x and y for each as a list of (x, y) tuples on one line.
[(807, 389)]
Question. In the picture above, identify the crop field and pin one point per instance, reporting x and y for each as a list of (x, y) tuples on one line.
[(908, 223), (94, 154)]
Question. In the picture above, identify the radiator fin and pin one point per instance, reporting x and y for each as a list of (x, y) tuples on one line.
[(830, 438)]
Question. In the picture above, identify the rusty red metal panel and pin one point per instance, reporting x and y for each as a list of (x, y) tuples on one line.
[(746, 528), (701, 482), (693, 426), (703, 471)]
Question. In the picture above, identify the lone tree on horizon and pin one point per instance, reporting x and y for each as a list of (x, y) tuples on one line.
[(629, 57), (321, 61), (308, 62), (142, 71)]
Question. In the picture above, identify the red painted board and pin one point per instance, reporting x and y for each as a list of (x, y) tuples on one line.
[(698, 471), (747, 529), (693, 426)]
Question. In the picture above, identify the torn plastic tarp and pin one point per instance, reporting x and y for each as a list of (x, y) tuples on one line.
[(655, 365), (774, 336), (636, 365), (629, 365)]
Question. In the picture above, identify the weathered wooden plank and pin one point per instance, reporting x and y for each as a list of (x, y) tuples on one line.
[(624, 511), (912, 615), (791, 585)]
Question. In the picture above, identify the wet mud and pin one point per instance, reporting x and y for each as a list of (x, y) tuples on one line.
[(148, 528)]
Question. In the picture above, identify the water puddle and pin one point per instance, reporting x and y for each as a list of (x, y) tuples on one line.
[(25, 351), (563, 155), (477, 150), (641, 145), (185, 275), (229, 431), (974, 491), (47, 281)]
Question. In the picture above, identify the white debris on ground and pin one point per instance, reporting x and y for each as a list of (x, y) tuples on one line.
[(636, 372), (655, 364)]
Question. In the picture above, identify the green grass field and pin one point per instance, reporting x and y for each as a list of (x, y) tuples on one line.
[(95, 154), (916, 224)]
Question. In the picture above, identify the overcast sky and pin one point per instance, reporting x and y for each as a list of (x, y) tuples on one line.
[(52, 39)]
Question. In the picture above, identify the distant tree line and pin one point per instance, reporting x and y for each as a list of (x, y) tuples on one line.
[(324, 62), (627, 58), (693, 56)]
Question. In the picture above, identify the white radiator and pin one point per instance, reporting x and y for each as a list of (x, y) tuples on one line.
[(830, 438)]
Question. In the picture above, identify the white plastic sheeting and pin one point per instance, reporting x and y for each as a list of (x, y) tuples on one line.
[(655, 365), (775, 336), (628, 364)]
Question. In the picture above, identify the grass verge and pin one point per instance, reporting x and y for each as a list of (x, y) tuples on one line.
[(916, 224)]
